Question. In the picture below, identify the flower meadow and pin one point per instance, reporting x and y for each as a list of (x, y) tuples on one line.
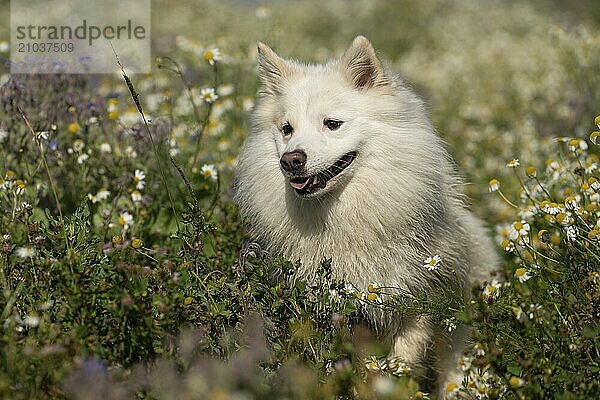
[(124, 268)]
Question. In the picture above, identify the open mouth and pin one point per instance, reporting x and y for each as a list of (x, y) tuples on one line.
[(305, 185)]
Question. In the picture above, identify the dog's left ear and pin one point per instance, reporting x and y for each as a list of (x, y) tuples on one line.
[(362, 66)]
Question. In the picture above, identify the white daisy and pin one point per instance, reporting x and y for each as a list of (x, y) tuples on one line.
[(212, 55), (82, 158), (519, 231), (492, 290), (522, 274), (136, 196), (349, 289), (208, 95), (399, 367), (26, 252), (432, 263), (78, 145), (452, 391), (209, 171), (551, 208), (138, 179), (479, 350), (374, 364), (105, 148), (577, 144), (102, 194), (464, 363), (493, 185), (125, 220), (41, 135), (518, 313), (513, 163)]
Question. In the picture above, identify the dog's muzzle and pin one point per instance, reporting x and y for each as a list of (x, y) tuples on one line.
[(306, 185)]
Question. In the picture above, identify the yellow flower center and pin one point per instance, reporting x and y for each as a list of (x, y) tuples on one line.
[(209, 55), (520, 272), (515, 381), (530, 171), (451, 387), (73, 128), (518, 226), (372, 296)]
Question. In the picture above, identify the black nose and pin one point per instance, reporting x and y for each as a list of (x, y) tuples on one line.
[(293, 161)]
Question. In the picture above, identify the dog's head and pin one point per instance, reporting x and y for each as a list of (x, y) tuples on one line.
[(319, 115)]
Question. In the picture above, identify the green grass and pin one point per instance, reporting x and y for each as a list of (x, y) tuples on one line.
[(115, 286)]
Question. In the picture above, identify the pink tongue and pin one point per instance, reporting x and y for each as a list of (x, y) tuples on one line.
[(300, 186)]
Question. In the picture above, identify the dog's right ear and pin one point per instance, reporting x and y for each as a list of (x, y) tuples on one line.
[(272, 69)]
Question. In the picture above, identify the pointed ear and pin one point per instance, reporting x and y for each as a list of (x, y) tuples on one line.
[(361, 65), (272, 69)]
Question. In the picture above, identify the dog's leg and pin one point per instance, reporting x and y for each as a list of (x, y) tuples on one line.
[(449, 349), (412, 343), (429, 350)]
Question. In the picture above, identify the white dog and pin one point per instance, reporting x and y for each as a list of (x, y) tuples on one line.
[(342, 162)]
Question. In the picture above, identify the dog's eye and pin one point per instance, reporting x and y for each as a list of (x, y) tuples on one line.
[(332, 124), (287, 129)]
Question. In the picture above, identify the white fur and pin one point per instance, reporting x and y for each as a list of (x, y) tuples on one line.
[(396, 204)]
